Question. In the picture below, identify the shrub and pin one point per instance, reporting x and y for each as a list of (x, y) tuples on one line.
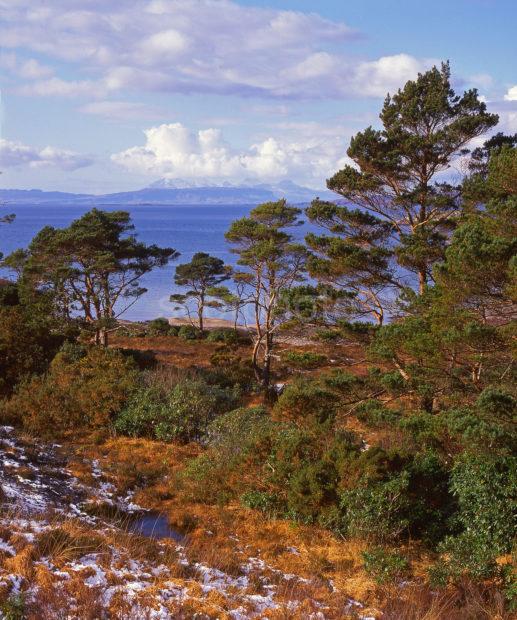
[(260, 500), (182, 413), (237, 440), (81, 389), (226, 335), (375, 414), (425, 429), (341, 380), (306, 403), (485, 488), (14, 608), (25, 347), (142, 358), (141, 413), (190, 407), (328, 335), (234, 431), (188, 332), (489, 424), (161, 327), (304, 359), (377, 511), (384, 566), (393, 381), (230, 369), (312, 488)]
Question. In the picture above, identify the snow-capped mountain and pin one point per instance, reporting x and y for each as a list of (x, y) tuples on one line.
[(176, 192)]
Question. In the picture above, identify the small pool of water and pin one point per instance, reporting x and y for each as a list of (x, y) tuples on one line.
[(153, 525)]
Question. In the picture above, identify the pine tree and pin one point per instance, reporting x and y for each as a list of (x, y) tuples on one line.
[(273, 263), (396, 180)]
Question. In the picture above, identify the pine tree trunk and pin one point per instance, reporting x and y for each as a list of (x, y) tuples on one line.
[(103, 337), (422, 281)]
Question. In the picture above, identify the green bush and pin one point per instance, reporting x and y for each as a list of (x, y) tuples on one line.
[(260, 500), (328, 335), (489, 423), (229, 369), (161, 327), (373, 413), (144, 359), (141, 413), (306, 403), (312, 488), (384, 566), (191, 406), (81, 390), (25, 347), (341, 380), (226, 335), (235, 441), (14, 608), (234, 431), (181, 414), (305, 360), (188, 332), (377, 511), (485, 487)]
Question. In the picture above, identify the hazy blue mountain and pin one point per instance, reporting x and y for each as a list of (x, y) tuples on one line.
[(173, 192)]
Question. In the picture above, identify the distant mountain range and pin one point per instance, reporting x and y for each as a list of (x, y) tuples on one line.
[(173, 192)]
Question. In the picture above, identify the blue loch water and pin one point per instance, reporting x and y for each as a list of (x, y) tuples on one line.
[(188, 229)]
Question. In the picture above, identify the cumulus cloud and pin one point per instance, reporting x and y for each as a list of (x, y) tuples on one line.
[(173, 151), (13, 154), (511, 95), (387, 74), (212, 46)]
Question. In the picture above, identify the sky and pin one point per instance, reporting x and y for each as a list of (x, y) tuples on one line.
[(100, 96)]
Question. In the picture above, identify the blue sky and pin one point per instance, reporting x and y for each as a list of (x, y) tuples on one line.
[(103, 95)]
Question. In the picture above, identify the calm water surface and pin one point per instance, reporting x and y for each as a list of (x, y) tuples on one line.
[(188, 229)]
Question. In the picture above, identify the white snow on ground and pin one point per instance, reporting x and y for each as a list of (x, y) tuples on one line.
[(40, 495)]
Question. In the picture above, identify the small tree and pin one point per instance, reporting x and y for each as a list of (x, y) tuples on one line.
[(354, 259), (273, 264), (93, 267), (202, 275), (6, 219), (234, 300)]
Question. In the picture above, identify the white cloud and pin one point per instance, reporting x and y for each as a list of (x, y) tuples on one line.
[(511, 95), (173, 151), (211, 46), (32, 69), (56, 87), (13, 154), (122, 110), (388, 74)]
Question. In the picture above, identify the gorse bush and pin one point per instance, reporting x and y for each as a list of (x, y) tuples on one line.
[(182, 413), (227, 336), (305, 360), (375, 414), (377, 511), (306, 403), (83, 388), (161, 327), (188, 332), (383, 565), (485, 487), (26, 347)]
